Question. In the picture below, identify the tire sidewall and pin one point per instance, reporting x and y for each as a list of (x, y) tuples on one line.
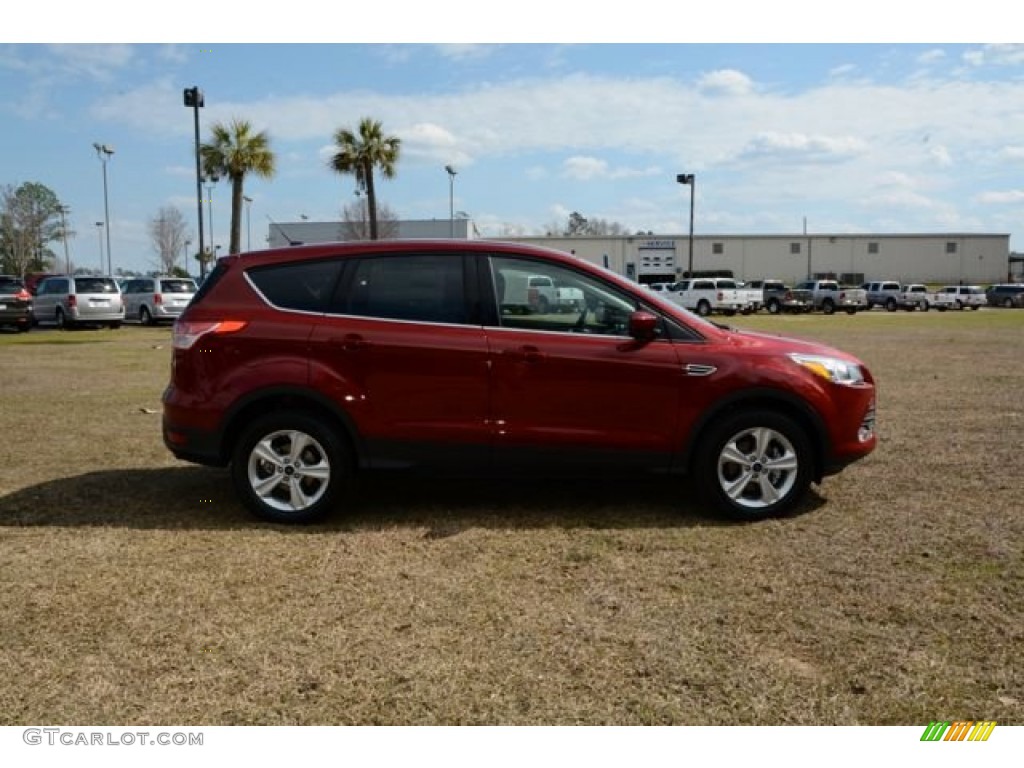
[(334, 446)]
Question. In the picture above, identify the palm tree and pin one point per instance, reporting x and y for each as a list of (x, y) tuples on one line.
[(359, 155), (234, 152)]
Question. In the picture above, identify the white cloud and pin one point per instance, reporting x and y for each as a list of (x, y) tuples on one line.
[(931, 56), (996, 55), (1010, 196), (799, 146), (585, 168), (941, 156), (728, 82)]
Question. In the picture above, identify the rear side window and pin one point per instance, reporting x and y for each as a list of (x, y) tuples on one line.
[(10, 285), (95, 285), (422, 287), (302, 286), (177, 286)]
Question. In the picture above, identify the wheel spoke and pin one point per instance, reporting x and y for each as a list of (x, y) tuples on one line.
[(264, 451), (732, 454), (734, 489), (321, 471), (299, 442), (787, 462), (297, 498), (769, 493), (265, 488)]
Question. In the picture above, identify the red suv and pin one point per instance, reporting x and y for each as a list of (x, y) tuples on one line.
[(301, 366)]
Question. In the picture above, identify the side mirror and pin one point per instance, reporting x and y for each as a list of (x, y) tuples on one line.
[(643, 326)]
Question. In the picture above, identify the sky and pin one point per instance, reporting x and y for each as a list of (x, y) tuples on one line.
[(554, 114)]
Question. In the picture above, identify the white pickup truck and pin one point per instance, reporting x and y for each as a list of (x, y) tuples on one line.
[(915, 296), (540, 294), (703, 295)]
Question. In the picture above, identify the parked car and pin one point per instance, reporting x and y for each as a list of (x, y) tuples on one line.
[(884, 293), (299, 367), (959, 297), (73, 300), (705, 295), (1005, 295), (15, 303), (779, 297), (151, 299), (915, 296), (829, 295)]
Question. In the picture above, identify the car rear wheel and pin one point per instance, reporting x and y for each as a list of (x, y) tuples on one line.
[(890, 305), (773, 307), (62, 322), (755, 464), (828, 307), (1008, 303), (703, 308), (289, 467), (144, 317)]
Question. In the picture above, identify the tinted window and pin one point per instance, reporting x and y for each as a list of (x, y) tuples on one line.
[(429, 288), (10, 285), (177, 286), (95, 285), (304, 286)]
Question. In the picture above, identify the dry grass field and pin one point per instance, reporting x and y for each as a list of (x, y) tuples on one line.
[(134, 589)]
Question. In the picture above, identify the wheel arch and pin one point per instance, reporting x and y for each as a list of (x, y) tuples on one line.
[(278, 399), (763, 399)]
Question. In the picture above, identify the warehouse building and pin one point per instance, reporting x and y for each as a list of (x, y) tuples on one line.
[(946, 258)]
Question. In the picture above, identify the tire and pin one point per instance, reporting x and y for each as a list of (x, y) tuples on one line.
[(890, 305), (754, 464), (851, 311), (703, 308), (114, 326), (925, 306), (959, 304), (828, 307), (773, 307), (25, 328), (975, 307), (1008, 303), (145, 317), (266, 449), (63, 323)]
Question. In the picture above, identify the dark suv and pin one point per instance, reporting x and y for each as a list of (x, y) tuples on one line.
[(301, 366), (1006, 295)]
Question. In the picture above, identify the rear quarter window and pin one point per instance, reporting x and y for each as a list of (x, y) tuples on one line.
[(177, 286), (300, 286)]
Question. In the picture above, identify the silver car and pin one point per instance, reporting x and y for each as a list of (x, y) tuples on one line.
[(72, 300), (151, 299)]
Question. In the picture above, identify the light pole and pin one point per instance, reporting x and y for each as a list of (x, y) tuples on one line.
[(209, 203), (103, 152), (451, 200), (187, 244), (194, 99), (99, 232), (248, 222), (689, 180), (64, 210)]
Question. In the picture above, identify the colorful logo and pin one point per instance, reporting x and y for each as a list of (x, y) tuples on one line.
[(959, 730)]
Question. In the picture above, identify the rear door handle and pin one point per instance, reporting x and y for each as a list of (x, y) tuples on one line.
[(528, 353), (350, 342)]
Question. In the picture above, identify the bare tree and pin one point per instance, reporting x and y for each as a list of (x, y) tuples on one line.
[(167, 230), (355, 221)]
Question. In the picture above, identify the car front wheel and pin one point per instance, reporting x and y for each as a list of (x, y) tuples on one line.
[(289, 467), (755, 464)]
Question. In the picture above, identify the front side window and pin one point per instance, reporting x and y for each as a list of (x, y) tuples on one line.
[(427, 288), (536, 295)]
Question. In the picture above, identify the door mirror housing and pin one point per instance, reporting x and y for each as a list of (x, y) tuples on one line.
[(643, 326)]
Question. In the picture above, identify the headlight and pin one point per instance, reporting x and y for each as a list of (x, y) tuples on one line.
[(831, 368)]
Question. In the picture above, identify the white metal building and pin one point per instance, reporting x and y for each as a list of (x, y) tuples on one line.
[(970, 258)]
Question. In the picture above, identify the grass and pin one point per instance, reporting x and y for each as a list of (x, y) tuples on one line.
[(136, 590)]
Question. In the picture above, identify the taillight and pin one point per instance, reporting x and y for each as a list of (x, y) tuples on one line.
[(158, 299), (721, 296), (187, 334), (72, 301), (23, 295)]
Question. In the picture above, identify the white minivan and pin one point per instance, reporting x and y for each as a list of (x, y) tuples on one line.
[(151, 299)]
